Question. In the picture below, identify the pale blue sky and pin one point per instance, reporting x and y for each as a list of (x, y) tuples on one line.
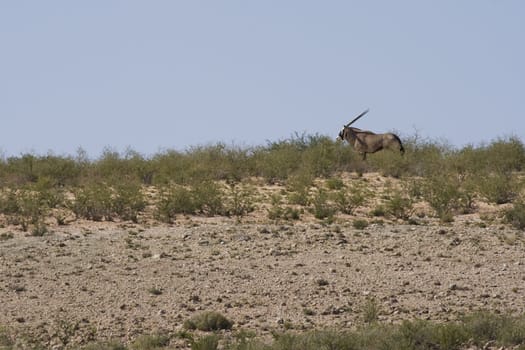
[(156, 75)]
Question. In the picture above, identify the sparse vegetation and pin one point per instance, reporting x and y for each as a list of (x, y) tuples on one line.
[(348, 199), (321, 207), (476, 330), (240, 201), (516, 215), (399, 204), (210, 180), (150, 342), (208, 321), (370, 311), (279, 211), (360, 224), (313, 179)]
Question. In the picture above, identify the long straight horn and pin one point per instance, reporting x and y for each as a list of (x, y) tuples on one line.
[(356, 118)]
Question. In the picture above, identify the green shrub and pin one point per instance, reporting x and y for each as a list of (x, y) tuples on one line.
[(277, 160), (360, 224), (505, 155), (174, 200), (49, 195), (450, 336), (318, 155), (218, 162), (150, 342), (279, 211), (99, 201), (335, 183), (5, 340), (9, 202), (321, 207), (515, 215), (299, 185), (389, 163), (370, 311), (240, 201), (209, 342), (93, 202), (423, 157), (207, 198), (32, 206), (399, 205), (484, 326), (39, 229), (348, 199), (128, 201), (24, 207), (498, 188), (380, 210), (4, 236), (315, 340), (105, 345), (417, 334), (208, 321), (444, 194), (21, 170)]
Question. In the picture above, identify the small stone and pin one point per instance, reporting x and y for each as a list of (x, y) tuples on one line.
[(455, 242)]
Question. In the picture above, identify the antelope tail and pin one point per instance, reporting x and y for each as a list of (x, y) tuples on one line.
[(401, 148)]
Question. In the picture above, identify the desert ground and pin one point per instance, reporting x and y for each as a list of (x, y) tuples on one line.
[(87, 281)]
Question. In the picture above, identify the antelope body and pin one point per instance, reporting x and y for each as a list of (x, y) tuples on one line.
[(364, 141)]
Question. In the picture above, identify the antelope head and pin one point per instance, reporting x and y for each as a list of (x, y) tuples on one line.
[(342, 132)]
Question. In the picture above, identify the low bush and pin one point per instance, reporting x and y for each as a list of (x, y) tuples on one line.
[(208, 321), (150, 342), (335, 183), (5, 340), (128, 201), (206, 198), (279, 211), (498, 188), (322, 208), (515, 215), (93, 201), (477, 330), (105, 345), (399, 204), (360, 224), (192, 181), (299, 186), (24, 207), (370, 311), (209, 342), (444, 194), (348, 199), (239, 201), (174, 200)]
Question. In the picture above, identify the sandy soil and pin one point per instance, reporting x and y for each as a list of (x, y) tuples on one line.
[(90, 280)]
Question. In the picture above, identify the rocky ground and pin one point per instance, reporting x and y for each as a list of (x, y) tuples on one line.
[(90, 280)]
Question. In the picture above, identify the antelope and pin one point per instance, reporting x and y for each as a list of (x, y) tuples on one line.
[(364, 141)]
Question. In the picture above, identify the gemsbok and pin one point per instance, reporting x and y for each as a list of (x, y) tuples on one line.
[(364, 141)]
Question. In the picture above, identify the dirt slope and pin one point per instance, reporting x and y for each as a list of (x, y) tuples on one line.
[(105, 280)]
